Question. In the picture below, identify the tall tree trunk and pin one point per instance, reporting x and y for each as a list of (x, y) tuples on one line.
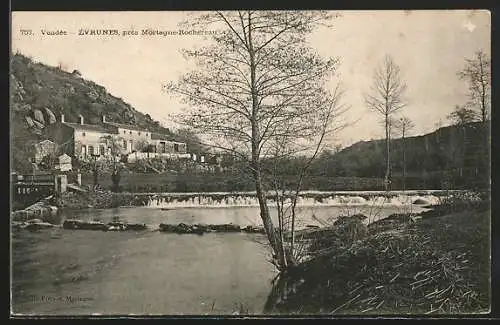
[(483, 91), (388, 152), (404, 159), (255, 165), (266, 220)]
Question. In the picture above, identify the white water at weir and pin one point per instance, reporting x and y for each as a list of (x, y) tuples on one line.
[(197, 200)]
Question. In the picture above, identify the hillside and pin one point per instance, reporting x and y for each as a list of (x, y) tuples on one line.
[(458, 154), (40, 94)]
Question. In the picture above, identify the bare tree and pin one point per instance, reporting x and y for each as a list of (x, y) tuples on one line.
[(477, 74), (115, 147), (142, 146), (284, 149), (386, 97), (192, 140), (258, 83), (404, 125)]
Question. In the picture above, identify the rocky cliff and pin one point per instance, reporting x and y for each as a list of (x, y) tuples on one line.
[(41, 93)]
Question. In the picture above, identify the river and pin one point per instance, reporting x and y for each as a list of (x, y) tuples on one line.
[(80, 272)]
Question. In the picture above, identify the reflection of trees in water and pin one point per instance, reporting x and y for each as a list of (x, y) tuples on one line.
[(276, 295), (284, 287)]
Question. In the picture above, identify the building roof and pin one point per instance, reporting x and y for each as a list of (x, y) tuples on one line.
[(92, 127), (160, 136), (111, 127), (64, 158), (127, 126), (46, 140)]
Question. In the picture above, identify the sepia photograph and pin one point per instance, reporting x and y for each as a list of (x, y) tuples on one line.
[(250, 163)]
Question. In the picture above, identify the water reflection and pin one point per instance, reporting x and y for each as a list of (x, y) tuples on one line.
[(148, 272), (144, 272)]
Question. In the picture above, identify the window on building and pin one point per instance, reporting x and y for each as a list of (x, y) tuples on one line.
[(124, 144), (176, 147), (139, 133), (83, 133), (101, 150), (91, 150), (124, 132), (130, 132)]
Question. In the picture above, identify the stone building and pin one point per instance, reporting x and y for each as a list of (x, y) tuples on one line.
[(84, 140), (44, 148), (163, 143)]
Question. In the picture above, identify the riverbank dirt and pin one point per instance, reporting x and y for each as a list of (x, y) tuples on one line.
[(432, 265)]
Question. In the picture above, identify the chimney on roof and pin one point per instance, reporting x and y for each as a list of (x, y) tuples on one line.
[(103, 118), (62, 118), (81, 119)]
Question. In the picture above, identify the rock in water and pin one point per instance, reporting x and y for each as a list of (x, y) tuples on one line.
[(115, 226), (86, 225), (197, 230), (227, 228), (166, 227), (32, 226), (254, 229), (182, 228), (17, 225), (136, 226), (421, 201)]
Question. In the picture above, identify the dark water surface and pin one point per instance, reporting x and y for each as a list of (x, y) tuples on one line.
[(60, 271)]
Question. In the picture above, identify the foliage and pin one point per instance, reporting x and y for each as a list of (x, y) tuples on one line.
[(193, 141), (142, 146), (462, 115), (48, 161)]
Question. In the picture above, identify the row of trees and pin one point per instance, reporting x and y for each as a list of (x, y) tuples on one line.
[(387, 98)]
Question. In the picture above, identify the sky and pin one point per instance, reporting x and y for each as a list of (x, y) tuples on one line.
[(429, 47)]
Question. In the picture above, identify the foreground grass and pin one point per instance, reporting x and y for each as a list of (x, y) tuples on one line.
[(437, 265)]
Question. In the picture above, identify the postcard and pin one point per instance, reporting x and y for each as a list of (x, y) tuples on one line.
[(250, 163)]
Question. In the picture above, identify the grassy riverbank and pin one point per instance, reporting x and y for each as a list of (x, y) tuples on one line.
[(439, 264)]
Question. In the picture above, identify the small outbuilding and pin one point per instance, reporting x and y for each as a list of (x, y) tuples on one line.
[(64, 163)]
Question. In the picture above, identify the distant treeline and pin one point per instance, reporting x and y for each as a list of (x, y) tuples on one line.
[(450, 157)]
